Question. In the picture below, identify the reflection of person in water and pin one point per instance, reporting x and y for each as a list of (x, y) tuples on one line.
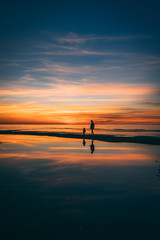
[(84, 131), (84, 142), (92, 147), (92, 126)]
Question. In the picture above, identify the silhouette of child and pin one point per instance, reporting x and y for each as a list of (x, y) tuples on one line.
[(84, 131)]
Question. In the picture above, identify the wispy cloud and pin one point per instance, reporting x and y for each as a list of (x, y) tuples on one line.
[(83, 89), (24, 113), (27, 78), (73, 38), (74, 69), (80, 52)]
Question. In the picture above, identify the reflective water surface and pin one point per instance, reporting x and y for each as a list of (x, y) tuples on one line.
[(57, 188)]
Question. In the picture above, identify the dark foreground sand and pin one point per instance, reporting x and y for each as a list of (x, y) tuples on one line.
[(99, 137)]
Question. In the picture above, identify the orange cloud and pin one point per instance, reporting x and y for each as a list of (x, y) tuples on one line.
[(105, 103), (68, 114), (83, 89)]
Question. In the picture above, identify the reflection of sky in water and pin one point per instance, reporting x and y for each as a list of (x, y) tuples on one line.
[(55, 187)]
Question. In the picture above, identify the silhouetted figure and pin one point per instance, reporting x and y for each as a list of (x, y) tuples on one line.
[(92, 126), (84, 131), (84, 142), (92, 147)]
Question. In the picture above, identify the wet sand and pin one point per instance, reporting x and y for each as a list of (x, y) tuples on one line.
[(99, 137)]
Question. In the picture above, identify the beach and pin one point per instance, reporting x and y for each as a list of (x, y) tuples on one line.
[(80, 120)]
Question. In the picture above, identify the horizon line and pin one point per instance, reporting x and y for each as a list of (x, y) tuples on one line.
[(81, 123)]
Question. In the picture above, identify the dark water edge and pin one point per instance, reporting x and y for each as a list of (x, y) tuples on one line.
[(75, 211), (154, 140)]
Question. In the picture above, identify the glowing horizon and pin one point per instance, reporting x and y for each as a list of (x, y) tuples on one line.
[(74, 74), (106, 103)]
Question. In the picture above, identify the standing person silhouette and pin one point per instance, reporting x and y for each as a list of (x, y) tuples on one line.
[(92, 126)]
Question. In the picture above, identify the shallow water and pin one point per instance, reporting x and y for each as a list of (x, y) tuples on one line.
[(118, 130), (55, 188)]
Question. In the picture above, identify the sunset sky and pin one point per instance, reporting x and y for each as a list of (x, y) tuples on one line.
[(73, 61)]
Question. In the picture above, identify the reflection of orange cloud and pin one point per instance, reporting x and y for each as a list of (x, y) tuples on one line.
[(60, 152), (71, 157), (33, 140)]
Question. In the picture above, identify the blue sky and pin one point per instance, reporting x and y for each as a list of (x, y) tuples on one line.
[(79, 54)]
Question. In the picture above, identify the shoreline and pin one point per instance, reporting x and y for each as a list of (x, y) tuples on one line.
[(152, 140)]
